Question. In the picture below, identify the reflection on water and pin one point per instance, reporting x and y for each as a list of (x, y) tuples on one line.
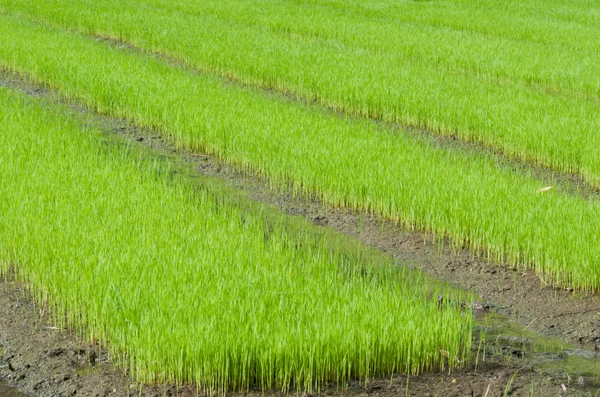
[(6, 391)]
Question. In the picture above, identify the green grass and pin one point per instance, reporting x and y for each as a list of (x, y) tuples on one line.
[(520, 77), (345, 162), (186, 284)]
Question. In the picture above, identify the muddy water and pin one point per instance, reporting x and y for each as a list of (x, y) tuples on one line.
[(6, 391), (500, 335)]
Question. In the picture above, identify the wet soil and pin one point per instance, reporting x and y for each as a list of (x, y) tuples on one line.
[(41, 360), (7, 391)]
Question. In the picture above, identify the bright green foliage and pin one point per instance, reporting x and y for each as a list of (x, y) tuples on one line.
[(345, 162), (185, 286), (519, 76)]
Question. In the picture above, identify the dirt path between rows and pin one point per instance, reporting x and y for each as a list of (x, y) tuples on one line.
[(41, 360)]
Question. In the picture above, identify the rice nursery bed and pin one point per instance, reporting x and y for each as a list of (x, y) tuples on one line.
[(345, 162), (518, 76), (183, 281), (39, 358), (184, 286)]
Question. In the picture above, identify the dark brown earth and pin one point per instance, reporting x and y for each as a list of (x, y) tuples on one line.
[(41, 360)]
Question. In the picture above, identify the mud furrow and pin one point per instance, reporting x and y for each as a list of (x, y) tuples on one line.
[(522, 296)]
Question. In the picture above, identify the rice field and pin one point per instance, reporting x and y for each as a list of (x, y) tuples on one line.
[(519, 77), (185, 281), (345, 162), (184, 285)]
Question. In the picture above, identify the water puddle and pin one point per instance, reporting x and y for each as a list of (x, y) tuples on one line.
[(499, 335), (6, 391)]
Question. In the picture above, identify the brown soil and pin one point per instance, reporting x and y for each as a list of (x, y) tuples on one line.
[(41, 360)]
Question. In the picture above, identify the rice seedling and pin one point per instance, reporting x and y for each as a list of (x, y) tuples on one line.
[(184, 284), (518, 77), (344, 162)]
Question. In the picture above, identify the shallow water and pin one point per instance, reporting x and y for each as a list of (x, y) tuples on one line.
[(580, 367), (6, 391)]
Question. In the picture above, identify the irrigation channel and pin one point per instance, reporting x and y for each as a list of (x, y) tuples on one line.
[(555, 353)]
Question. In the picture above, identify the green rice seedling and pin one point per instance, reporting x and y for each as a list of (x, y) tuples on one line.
[(345, 162), (520, 77), (184, 284)]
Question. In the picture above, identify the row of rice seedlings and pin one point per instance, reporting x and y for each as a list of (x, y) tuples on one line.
[(184, 286), (419, 32), (447, 68), (344, 162), (461, 34)]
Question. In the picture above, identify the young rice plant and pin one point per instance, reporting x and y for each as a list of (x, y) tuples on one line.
[(185, 286)]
